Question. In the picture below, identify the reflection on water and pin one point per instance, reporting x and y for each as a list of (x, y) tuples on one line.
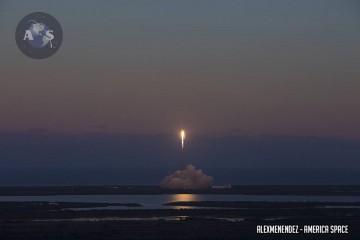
[(156, 201), (183, 198)]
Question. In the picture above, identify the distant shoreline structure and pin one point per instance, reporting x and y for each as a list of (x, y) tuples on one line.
[(225, 186), (315, 190)]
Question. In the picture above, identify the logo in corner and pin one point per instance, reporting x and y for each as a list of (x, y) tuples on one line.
[(38, 35)]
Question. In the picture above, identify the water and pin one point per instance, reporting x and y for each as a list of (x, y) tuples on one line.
[(156, 201), (165, 218)]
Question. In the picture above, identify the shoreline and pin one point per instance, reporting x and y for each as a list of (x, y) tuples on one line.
[(313, 190)]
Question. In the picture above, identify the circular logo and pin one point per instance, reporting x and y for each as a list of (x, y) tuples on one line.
[(38, 35)]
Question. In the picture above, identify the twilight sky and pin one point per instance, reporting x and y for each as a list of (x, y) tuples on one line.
[(147, 67), (222, 70)]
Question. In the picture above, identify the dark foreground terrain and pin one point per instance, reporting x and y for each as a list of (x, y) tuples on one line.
[(209, 220), (177, 220), (185, 229)]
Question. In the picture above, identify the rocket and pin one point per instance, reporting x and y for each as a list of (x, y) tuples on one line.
[(182, 135)]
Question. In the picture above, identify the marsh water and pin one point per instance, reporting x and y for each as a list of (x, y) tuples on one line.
[(157, 201)]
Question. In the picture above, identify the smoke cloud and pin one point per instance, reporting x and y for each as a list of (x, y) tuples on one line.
[(189, 178)]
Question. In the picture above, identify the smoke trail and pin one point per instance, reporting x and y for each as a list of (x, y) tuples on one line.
[(189, 178)]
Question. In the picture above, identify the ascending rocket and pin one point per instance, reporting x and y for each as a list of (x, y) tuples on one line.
[(182, 135)]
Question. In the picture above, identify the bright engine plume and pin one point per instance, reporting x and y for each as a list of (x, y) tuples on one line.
[(182, 135)]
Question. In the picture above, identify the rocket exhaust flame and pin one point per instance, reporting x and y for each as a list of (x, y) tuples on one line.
[(182, 135), (188, 178)]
